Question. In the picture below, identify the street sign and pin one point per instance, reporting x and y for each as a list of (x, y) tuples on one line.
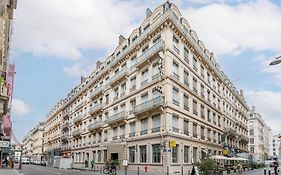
[(4, 144), (173, 143)]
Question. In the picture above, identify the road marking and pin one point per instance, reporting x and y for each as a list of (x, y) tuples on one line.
[(49, 171)]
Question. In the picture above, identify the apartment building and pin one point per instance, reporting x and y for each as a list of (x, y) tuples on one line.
[(259, 135), (6, 69), (276, 145), (160, 99), (33, 143)]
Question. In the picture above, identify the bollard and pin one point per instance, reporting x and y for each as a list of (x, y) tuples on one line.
[(138, 170), (167, 170), (182, 170), (125, 170), (264, 171)]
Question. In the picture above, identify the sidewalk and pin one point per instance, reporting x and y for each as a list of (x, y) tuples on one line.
[(9, 172)]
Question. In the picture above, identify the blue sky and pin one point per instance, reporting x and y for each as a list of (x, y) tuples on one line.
[(60, 40)]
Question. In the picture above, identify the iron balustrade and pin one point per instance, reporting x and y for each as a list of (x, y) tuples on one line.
[(96, 108), (148, 105), (117, 117), (95, 125), (97, 91)]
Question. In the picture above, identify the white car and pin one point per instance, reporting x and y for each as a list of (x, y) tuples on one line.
[(25, 160)]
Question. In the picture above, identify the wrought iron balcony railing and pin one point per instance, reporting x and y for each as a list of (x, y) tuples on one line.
[(148, 105), (121, 116), (95, 126)]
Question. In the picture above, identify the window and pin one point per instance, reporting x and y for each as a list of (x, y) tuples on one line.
[(114, 133), (132, 150), (202, 112), (132, 129), (195, 149), (176, 96), (202, 89), (185, 127), (185, 78), (194, 85), (185, 102), (157, 39), (133, 83), (116, 93), (105, 155), (99, 155), (252, 140), (186, 55), (202, 132), (144, 77), (202, 71), (143, 154), (176, 70), (122, 131), (156, 153), (156, 123), (194, 130), (134, 60), (186, 154), (106, 99), (155, 71), (251, 132), (144, 97), (175, 119), (214, 118), (175, 154), (144, 126), (133, 103), (195, 63), (208, 115), (145, 49), (123, 89), (195, 107), (209, 134), (176, 44)]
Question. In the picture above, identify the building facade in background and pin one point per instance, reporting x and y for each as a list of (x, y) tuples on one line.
[(259, 135), (33, 143), (6, 68), (159, 99), (276, 145)]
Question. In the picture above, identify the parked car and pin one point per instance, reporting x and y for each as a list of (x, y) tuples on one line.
[(25, 160)]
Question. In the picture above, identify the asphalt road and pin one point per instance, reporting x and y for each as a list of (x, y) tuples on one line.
[(40, 170)]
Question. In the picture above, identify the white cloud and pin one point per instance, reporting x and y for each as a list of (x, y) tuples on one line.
[(227, 29), (61, 28), (75, 70), (19, 107), (268, 105)]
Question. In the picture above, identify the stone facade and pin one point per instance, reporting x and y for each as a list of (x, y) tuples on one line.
[(160, 99), (259, 135), (33, 143)]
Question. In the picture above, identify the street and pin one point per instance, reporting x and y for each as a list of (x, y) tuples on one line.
[(40, 170)]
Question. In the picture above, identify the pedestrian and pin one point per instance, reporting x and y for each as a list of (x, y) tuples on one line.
[(275, 168), (93, 164)]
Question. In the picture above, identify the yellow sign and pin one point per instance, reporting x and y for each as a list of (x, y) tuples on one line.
[(225, 152), (173, 143)]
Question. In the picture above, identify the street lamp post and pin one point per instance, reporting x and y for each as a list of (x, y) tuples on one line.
[(276, 61)]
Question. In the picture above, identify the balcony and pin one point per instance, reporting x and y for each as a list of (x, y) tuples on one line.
[(230, 132), (157, 129), (97, 126), (79, 106), (65, 125), (151, 52), (244, 138), (118, 76), (96, 92), (78, 119), (96, 108), (117, 118), (65, 115), (148, 105), (77, 133), (64, 136)]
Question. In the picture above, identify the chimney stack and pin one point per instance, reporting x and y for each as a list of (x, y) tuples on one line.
[(241, 93), (148, 12), (121, 39), (98, 64)]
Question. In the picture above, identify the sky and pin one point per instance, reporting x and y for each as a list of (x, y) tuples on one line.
[(54, 42)]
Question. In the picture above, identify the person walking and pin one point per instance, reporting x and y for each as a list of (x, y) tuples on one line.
[(93, 164)]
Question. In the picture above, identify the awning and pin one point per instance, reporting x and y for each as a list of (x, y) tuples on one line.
[(218, 157)]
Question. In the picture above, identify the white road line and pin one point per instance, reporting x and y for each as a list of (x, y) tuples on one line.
[(42, 169)]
